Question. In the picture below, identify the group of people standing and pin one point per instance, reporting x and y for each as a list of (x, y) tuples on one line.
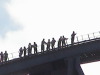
[(50, 45), (24, 51), (3, 56)]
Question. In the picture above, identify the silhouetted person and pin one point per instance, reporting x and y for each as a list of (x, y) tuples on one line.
[(5, 56), (53, 43), (2, 56), (42, 45), (24, 51), (59, 42), (20, 52), (35, 48), (73, 37), (63, 41), (48, 45), (29, 49)]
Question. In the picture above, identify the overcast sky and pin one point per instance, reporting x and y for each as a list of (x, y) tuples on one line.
[(24, 21)]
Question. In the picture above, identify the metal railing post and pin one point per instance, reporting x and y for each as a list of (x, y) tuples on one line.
[(99, 32), (77, 39), (12, 55), (82, 37), (93, 35), (88, 37)]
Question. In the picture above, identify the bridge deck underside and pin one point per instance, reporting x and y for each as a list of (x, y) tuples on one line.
[(90, 57)]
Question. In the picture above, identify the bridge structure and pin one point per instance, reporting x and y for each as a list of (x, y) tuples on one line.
[(63, 61)]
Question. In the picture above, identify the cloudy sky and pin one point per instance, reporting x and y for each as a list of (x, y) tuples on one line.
[(24, 21)]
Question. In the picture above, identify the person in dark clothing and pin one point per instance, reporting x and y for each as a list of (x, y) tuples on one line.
[(5, 56), (53, 43), (73, 37), (24, 51), (20, 52), (63, 41), (2, 56), (35, 48), (42, 45), (29, 49), (59, 42), (48, 45)]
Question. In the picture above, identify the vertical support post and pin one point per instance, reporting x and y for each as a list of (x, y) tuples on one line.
[(73, 66), (12, 55), (93, 35), (78, 67), (77, 40), (82, 37), (99, 33), (88, 37)]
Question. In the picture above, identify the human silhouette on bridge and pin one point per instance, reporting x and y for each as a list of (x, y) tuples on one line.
[(24, 51), (29, 49), (42, 45), (73, 37), (5, 56), (64, 41), (2, 56), (20, 52), (48, 45), (53, 43), (35, 47), (59, 42)]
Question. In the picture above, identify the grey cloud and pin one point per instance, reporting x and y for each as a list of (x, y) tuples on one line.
[(6, 24)]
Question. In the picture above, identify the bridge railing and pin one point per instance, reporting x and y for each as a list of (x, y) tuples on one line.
[(77, 39), (13, 55), (87, 37)]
